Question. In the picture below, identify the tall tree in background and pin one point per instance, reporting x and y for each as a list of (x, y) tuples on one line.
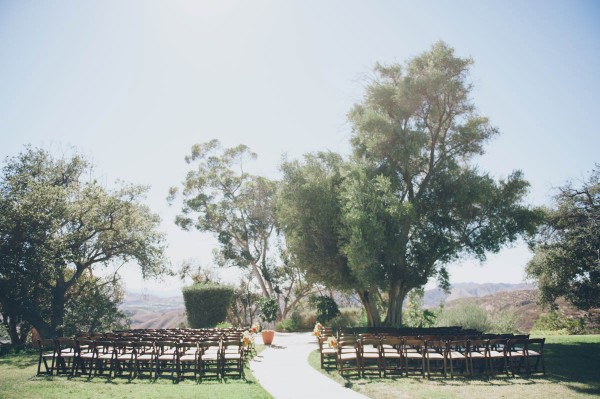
[(56, 225), (414, 203), (222, 198), (310, 211), (408, 202), (567, 252)]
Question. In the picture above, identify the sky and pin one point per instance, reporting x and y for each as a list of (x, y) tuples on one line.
[(134, 84)]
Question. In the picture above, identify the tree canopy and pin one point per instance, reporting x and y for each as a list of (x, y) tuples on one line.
[(222, 198), (56, 224), (408, 201), (567, 251)]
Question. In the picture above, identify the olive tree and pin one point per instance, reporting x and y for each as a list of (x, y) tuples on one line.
[(57, 223)]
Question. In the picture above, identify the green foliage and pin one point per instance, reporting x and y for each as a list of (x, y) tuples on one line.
[(268, 309), (220, 197), (407, 202), (58, 223), (349, 317), (567, 251), (206, 304), (415, 315), (292, 323), (468, 315), (327, 308), (93, 306), (556, 322)]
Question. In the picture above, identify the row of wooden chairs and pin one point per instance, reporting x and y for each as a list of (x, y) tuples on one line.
[(387, 355), (175, 359)]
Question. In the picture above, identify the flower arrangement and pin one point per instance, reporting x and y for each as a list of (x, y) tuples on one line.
[(317, 330), (247, 338), (332, 342), (255, 328)]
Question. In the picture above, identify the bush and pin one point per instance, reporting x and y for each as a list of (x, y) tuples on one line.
[(348, 317), (505, 322), (206, 304), (467, 315), (327, 309), (558, 323), (292, 323), (268, 309)]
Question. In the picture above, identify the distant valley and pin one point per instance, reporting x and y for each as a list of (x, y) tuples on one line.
[(148, 311)]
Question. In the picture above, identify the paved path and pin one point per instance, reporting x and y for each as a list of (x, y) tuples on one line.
[(283, 370)]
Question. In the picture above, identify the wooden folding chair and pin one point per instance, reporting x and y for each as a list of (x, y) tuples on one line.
[(497, 356), (535, 351), (232, 358), (391, 355), (103, 358), (166, 358), (370, 355), (145, 358), (187, 359), (327, 353), (413, 355), (209, 360), (435, 353), (47, 356), (348, 356), (124, 360), (477, 355), (456, 353)]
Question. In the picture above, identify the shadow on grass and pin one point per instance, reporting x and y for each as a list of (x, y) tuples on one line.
[(20, 361), (574, 365), (576, 362)]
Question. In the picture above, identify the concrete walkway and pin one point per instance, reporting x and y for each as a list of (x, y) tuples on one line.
[(283, 370)]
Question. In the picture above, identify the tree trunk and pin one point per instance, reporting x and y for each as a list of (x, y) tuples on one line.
[(57, 317), (260, 279), (11, 328), (368, 301), (396, 299)]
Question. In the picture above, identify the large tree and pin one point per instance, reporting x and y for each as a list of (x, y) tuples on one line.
[(567, 251), (222, 198), (409, 202), (58, 223)]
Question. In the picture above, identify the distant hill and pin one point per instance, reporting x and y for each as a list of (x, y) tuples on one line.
[(434, 297), (523, 303), (148, 311)]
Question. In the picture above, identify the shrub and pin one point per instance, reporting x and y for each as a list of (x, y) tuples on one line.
[(467, 315), (292, 323), (349, 317), (415, 315), (206, 304), (554, 321), (505, 322), (268, 309), (327, 309)]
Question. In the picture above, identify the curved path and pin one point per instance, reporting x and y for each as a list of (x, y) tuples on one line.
[(283, 370)]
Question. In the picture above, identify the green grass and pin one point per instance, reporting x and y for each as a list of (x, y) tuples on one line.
[(572, 371), (18, 381)]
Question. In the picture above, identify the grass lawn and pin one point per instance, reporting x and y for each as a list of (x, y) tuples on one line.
[(572, 371), (18, 381)]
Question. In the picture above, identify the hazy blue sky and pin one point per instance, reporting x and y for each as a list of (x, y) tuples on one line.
[(133, 84)]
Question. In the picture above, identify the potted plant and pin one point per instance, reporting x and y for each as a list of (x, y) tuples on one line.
[(268, 309)]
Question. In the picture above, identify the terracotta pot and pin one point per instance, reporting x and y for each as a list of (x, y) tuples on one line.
[(267, 336)]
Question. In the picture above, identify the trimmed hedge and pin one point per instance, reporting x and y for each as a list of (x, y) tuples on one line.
[(206, 304)]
